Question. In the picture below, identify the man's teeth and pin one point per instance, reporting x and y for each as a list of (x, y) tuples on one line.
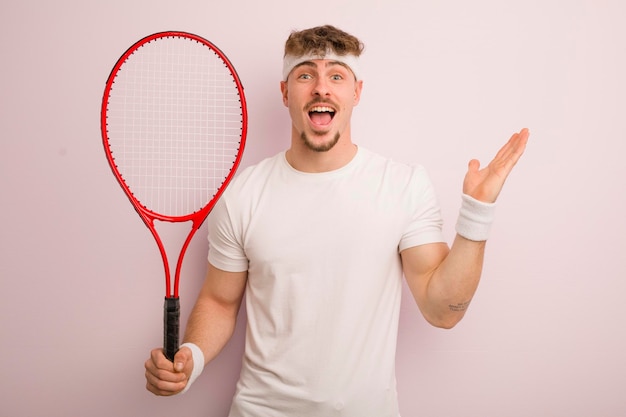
[(322, 110)]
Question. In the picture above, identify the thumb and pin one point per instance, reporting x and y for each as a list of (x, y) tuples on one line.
[(182, 359), (473, 165)]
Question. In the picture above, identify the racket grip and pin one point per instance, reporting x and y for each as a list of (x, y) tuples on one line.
[(171, 325)]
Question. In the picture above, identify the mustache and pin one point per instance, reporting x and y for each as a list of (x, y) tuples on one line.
[(321, 101)]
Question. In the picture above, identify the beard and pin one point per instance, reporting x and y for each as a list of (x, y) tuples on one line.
[(322, 147)]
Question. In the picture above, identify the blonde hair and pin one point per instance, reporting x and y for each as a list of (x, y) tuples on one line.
[(322, 40)]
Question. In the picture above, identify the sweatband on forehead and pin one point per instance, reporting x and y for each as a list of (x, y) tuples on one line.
[(292, 61)]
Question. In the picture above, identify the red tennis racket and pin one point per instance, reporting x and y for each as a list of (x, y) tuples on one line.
[(174, 126)]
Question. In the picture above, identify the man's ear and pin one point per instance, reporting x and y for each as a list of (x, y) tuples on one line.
[(357, 91), (283, 91)]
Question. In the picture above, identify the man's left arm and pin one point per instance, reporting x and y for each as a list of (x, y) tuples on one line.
[(443, 281)]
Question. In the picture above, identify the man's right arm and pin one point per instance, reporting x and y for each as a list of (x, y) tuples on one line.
[(210, 326), (213, 318)]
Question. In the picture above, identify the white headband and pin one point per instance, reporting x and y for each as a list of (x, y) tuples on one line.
[(292, 61)]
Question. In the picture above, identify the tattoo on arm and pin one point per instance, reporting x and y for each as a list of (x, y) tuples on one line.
[(460, 307)]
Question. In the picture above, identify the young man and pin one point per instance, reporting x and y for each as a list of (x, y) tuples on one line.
[(319, 237)]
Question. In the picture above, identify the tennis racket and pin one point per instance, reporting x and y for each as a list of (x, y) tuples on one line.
[(174, 125)]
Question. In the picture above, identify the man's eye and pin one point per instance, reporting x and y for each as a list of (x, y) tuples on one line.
[(337, 77), (305, 76)]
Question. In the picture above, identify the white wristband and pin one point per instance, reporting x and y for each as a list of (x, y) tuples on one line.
[(475, 218), (198, 363)]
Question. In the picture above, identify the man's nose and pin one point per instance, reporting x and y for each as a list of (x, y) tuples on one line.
[(321, 87)]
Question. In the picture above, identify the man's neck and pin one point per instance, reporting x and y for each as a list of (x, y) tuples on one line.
[(304, 159)]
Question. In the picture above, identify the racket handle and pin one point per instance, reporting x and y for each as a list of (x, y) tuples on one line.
[(171, 325)]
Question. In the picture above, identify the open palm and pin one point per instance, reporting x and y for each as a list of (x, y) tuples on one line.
[(485, 184)]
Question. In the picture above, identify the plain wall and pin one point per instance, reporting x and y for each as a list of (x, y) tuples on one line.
[(445, 81)]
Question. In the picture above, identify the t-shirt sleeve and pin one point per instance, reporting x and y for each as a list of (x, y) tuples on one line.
[(425, 224), (225, 243)]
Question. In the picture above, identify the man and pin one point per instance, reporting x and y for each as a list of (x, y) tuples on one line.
[(319, 237)]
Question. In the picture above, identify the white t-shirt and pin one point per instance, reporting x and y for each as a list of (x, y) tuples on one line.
[(324, 281)]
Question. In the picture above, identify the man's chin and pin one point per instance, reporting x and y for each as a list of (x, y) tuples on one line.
[(320, 145)]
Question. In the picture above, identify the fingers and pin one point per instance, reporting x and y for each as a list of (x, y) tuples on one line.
[(518, 141), (512, 151), (521, 141), (161, 377), (517, 145)]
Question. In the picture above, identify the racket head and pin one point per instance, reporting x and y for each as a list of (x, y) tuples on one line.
[(174, 125)]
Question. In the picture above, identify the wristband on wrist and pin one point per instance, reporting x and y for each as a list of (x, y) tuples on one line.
[(475, 219), (198, 363)]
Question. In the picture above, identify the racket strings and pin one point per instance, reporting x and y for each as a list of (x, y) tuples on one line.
[(174, 124)]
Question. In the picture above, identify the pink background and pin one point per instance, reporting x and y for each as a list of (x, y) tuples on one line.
[(445, 81)]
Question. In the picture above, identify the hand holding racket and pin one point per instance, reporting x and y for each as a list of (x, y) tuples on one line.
[(174, 125)]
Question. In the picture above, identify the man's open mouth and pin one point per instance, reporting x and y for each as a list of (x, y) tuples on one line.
[(321, 115)]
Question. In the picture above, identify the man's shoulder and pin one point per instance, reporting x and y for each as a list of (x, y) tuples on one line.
[(388, 165), (266, 163), (258, 171)]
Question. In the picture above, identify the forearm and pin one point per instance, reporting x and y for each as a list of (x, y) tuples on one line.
[(212, 320), (210, 326), (454, 282)]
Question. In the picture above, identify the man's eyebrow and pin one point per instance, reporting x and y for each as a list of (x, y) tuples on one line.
[(306, 64), (343, 64)]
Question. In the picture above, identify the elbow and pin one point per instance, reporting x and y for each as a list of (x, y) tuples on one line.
[(446, 322), (449, 316), (447, 325)]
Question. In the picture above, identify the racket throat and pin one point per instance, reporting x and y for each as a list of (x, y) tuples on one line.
[(167, 235)]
